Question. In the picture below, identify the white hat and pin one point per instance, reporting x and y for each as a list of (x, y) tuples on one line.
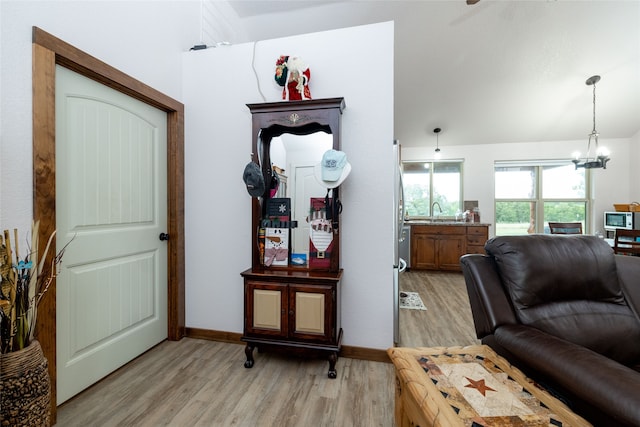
[(333, 169)]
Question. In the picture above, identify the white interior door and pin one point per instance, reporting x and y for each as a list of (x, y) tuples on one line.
[(111, 195)]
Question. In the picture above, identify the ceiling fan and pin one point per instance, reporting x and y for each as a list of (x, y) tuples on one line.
[(472, 1)]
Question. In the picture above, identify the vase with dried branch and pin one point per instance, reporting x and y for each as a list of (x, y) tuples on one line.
[(24, 282), (25, 389)]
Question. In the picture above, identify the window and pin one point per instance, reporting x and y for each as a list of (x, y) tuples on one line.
[(530, 194), (426, 183)]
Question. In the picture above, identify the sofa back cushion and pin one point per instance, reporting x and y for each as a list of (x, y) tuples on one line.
[(568, 286)]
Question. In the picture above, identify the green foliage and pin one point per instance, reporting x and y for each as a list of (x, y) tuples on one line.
[(515, 217), (417, 202), (514, 212), (564, 211), (518, 212)]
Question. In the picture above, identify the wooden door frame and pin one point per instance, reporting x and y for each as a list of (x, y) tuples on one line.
[(49, 51)]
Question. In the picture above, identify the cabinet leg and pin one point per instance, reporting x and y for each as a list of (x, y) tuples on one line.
[(333, 359), (248, 351)]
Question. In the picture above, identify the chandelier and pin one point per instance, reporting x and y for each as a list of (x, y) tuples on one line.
[(601, 155)]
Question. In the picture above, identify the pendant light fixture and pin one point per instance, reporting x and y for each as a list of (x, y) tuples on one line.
[(437, 131), (601, 155)]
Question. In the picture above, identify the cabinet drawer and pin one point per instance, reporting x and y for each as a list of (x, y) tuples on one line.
[(439, 229), (478, 231), (476, 249), (476, 240)]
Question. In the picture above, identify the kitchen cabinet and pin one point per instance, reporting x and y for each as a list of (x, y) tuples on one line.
[(294, 310), (439, 247)]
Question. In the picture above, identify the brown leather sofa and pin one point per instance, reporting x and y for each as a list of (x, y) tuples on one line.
[(565, 310)]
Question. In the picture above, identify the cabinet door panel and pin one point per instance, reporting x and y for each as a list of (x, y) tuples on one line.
[(266, 308), (450, 249), (423, 251), (309, 312), (311, 309)]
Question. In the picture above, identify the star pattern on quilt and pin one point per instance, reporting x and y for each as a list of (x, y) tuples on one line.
[(479, 385)]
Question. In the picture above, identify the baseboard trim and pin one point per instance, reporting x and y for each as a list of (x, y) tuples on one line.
[(362, 353), (211, 335), (365, 353)]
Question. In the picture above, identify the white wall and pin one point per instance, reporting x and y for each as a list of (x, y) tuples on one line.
[(144, 39), (217, 85), (613, 185), (634, 163)]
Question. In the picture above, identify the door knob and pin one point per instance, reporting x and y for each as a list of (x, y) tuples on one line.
[(163, 236)]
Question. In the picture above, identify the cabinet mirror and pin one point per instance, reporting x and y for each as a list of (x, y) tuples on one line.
[(293, 159)]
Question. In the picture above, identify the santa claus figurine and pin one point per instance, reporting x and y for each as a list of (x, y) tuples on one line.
[(293, 75)]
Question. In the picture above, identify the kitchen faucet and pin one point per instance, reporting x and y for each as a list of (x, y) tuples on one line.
[(439, 208)]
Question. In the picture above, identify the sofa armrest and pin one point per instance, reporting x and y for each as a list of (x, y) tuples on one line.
[(628, 268), (489, 303), (597, 380)]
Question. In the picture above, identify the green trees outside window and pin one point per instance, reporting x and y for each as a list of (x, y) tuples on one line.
[(529, 195), (428, 182)]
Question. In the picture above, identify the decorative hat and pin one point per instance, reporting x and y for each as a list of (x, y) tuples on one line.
[(333, 169), (253, 179)]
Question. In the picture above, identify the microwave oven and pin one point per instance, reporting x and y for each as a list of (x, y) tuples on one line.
[(624, 220)]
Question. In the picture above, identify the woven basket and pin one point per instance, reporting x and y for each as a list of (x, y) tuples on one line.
[(630, 207), (25, 390)]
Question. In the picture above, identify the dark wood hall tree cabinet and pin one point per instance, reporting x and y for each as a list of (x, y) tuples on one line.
[(297, 311), (291, 308)]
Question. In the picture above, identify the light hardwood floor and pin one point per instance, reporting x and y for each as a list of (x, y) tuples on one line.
[(204, 383), (447, 321)]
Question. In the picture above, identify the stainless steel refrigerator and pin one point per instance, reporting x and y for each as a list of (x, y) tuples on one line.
[(399, 264)]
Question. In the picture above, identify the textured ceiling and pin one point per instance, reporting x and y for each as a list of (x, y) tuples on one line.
[(494, 72)]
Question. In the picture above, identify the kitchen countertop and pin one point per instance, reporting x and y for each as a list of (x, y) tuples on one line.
[(444, 222)]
